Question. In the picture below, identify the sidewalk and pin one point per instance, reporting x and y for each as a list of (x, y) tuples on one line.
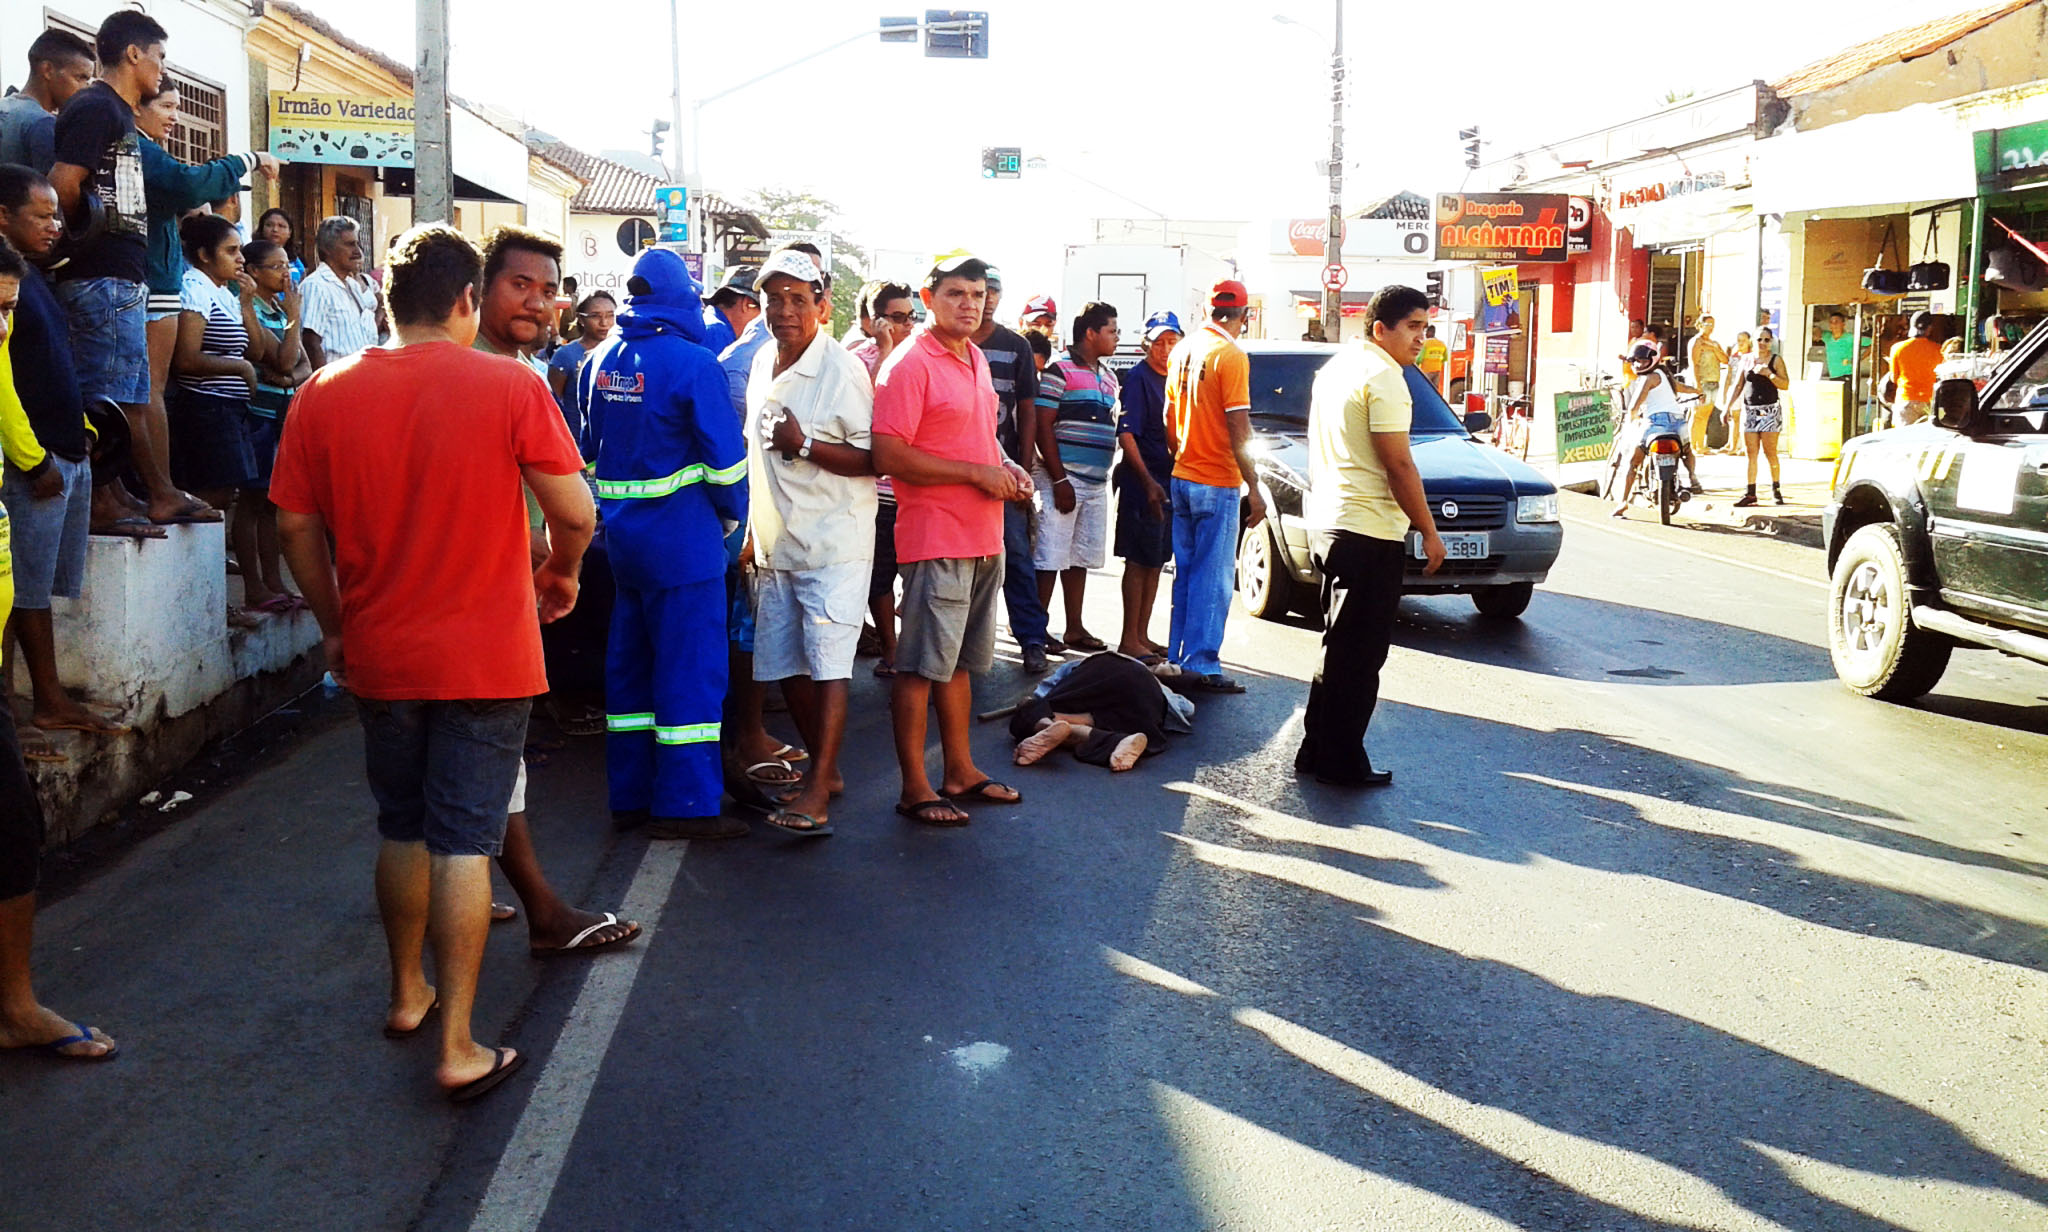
[(1797, 521)]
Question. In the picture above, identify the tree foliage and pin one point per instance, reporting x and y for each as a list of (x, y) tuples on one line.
[(788, 209)]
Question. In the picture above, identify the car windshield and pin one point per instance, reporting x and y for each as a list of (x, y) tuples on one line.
[(1281, 382)]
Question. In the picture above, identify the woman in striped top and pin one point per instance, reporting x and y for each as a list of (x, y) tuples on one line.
[(211, 376)]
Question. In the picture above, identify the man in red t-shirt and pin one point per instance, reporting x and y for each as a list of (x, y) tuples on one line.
[(409, 457), (935, 436)]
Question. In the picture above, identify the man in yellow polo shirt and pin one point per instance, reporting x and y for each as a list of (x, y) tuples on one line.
[(1364, 495), (1434, 355)]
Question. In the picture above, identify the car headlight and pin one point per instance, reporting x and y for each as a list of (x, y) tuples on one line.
[(1536, 508)]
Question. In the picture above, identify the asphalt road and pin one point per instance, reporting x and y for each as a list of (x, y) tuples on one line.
[(1657, 928)]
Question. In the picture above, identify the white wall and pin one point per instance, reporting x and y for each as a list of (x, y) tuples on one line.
[(592, 255)]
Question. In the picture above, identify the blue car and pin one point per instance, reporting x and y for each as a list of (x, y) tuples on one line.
[(1498, 516)]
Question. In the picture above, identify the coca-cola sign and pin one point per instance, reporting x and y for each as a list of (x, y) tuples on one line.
[(1305, 236), (1385, 239)]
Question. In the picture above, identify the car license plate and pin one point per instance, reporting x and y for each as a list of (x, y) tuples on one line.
[(1459, 545)]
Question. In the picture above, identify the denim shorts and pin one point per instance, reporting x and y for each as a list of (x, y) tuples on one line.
[(109, 342), (49, 535), (263, 432), (442, 772)]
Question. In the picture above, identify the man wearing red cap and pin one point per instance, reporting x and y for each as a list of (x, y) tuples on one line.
[(1208, 423), (1042, 316)]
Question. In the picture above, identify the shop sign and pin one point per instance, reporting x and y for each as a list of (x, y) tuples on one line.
[(1497, 356), (1501, 309), (672, 208), (2005, 152), (1391, 239), (342, 130), (1578, 225), (1585, 425), (1501, 227), (1669, 190)]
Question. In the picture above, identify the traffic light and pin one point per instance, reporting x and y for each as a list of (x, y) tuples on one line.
[(660, 127), (955, 34), (1433, 286), (1002, 162), (1470, 136)]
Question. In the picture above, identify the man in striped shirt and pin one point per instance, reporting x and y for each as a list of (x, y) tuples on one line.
[(341, 310), (1077, 412)]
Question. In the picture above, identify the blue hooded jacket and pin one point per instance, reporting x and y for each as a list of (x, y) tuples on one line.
[(671, 461)]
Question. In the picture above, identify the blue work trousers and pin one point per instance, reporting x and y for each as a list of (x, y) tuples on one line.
[(664, 687), (1204, 560), (1020, 580)]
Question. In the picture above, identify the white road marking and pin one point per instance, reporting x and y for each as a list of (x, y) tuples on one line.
[(532, 1161), (1607, 525)]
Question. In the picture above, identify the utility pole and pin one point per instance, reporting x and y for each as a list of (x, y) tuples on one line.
[(433, 176), (1333, 243)]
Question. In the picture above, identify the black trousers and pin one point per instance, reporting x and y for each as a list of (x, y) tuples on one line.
[(21, 816), (1361, 592), (1121, 695)]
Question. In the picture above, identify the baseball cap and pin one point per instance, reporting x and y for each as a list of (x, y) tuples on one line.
[(994, 279), (1161, 322), (739, 280), (959, 261), (1229, 293), (793, 262), (1921, 320), (1041, 306)]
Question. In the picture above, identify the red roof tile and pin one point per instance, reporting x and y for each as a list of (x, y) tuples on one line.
[(1894, 48), (608, 187)]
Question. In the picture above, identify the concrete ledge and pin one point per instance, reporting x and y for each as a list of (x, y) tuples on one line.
[(150, 643)]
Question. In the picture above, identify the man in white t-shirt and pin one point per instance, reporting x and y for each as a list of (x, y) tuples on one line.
[(810, 409)]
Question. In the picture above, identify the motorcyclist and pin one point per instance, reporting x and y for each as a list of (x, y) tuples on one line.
[(1653, 409)]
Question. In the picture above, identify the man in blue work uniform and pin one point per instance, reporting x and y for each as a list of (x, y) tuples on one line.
[(671, 481)]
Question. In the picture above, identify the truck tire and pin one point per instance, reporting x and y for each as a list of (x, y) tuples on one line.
[(1504, 602), (1877, 649), (1265, 584)]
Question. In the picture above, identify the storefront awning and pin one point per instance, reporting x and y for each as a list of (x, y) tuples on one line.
[(1915, 154)]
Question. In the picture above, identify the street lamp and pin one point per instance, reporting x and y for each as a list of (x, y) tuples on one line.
[(1333, 240)]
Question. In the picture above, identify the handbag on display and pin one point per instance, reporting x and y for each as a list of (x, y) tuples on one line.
[(1881, 281), (2015, 269), (1925, 275)]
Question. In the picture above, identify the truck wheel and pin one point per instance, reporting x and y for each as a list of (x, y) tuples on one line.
[(1878, 650), (1265, 584), (1504, 602)]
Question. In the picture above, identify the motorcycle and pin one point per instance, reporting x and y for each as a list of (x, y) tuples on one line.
[(1657, 478)]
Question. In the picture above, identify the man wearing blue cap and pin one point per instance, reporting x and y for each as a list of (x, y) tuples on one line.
[(1144, 511), (671, 481)]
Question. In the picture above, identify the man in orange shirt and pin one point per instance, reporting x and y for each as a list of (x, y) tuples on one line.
[(1913, 363), (444, 665), (1209, 425)]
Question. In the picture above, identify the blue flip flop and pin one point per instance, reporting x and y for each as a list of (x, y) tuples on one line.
[(56, 1048)]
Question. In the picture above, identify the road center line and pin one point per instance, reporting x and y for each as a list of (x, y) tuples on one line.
[(532, 1161), (1606, 525)]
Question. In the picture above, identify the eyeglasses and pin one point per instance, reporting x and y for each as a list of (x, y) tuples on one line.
[(596, 316), (900, 318)]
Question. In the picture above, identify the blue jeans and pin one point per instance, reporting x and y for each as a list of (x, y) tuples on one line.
[(442, 771), (108, 342), (1204, 560), (1020, 580)]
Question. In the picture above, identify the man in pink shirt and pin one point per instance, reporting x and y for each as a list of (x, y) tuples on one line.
[(935, 435)]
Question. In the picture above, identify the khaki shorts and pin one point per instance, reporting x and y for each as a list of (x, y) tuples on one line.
[(949, 616)]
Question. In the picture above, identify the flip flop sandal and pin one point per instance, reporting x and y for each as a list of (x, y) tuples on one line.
[(577, 943), (405, 1033), (35, 746), (1089, 643), (84, 1035), (762, 772), (922, 813), (980, 793), (131, 528), (507, 1062), (790, 753), (886, 671), (276, 604), (812, 827), (189, 516), (503, 912), (107, 727)]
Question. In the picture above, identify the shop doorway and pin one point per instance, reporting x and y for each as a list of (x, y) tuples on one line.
[(1674, 300)]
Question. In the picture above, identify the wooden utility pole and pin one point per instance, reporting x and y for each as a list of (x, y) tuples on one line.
[(433, 189), (1333, 245)]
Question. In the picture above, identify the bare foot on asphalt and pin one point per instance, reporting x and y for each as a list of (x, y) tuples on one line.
[(1127, 752), (1036, 745), (406, 1014)]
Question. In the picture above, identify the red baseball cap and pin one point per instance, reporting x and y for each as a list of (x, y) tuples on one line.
[(1041, 306), (1229, 293)]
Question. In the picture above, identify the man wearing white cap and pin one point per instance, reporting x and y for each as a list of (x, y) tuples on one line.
[(810, 409)]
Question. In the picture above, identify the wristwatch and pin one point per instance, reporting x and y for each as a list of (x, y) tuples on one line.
[(805, 451)]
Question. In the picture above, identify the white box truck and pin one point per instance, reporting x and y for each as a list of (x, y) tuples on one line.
[(1139, 280)]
